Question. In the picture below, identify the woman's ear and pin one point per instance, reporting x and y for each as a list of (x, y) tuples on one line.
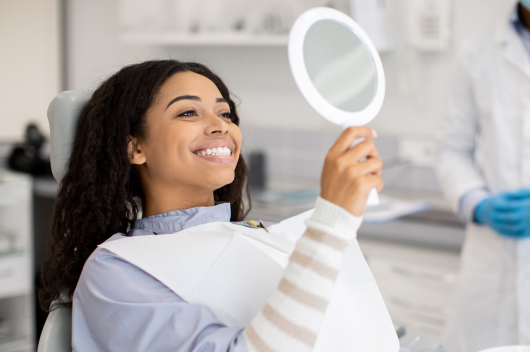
[(134, 151)]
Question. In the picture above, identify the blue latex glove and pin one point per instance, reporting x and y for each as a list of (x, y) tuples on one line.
[(507, 213)]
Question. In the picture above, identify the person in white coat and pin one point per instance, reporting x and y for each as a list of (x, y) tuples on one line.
[(484, 168)]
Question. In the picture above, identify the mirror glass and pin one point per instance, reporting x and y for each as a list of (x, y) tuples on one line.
[(340, 66)]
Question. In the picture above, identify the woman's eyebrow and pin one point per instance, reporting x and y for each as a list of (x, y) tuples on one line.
[(184, 97), (195, 98)]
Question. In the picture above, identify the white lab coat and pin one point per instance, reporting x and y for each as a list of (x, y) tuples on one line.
[(485, 142)]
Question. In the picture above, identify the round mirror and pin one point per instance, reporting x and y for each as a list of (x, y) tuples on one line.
[(342, 69), (336, 67)]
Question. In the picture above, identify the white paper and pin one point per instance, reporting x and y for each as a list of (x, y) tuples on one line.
[(391, 209)]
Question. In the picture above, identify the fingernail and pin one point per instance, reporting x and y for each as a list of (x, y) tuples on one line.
[(374, 132)]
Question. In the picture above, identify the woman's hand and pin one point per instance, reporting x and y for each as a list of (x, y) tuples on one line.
[(346, 180)]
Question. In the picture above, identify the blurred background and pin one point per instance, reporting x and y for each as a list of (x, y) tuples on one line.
[(411, 241)]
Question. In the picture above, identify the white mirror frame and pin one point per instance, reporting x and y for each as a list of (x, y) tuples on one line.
[(306, 86)]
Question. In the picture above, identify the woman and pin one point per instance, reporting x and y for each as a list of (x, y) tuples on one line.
[(161, 138)]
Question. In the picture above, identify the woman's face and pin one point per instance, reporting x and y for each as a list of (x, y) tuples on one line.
[(190, 139)]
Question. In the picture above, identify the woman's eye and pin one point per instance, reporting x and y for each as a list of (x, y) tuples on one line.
[(226, 115), (188, 113)]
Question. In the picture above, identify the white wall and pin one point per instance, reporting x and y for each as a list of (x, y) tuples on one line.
[(418, 112), (260, 76), (29, 63)]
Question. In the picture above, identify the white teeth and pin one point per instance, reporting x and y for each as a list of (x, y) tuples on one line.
[(223, 151)]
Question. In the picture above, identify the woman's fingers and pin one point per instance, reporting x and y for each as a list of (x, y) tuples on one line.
[(365, 149), (353, 195), (374, 181), (368, 167), (350, 173), (348, 136)]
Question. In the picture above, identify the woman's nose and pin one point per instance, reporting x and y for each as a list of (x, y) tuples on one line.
[(216, 125)]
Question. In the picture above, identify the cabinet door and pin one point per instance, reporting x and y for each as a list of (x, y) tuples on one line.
[(416, 284), (15, 216), (15, 275)]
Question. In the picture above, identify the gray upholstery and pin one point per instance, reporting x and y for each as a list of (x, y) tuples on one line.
[(63, 113), (56, 335)]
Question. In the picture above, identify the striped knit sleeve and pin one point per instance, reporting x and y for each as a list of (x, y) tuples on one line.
[(293, 314)]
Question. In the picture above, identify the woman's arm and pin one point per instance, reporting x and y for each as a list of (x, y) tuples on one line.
[(291, 319)]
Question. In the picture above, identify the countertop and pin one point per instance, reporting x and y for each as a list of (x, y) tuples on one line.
[(436, 228)]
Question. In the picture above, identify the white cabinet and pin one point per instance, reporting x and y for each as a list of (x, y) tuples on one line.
[(16, 275), (417, 284)]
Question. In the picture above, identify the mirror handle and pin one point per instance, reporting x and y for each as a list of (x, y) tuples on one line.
[(373, 198)]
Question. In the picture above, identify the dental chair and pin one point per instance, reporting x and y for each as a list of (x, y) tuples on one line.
[(63, 113), (56, 336)]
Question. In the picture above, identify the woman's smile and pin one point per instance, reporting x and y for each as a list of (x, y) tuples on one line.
[(216, 150)]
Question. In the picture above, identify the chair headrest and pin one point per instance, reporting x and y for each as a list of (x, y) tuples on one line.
[(63, 114)]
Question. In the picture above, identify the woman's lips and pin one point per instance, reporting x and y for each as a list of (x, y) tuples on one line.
[(215, 144), (224, 159), (216, 150)]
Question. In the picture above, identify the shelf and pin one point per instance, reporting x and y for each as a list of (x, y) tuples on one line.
[(12, 252), (225, 39), (15, 275), (16, 344), (14, 188)]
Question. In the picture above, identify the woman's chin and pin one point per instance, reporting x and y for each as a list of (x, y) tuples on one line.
[(216, 178)]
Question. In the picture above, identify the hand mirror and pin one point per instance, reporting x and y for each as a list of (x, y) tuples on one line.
[(337, 69)]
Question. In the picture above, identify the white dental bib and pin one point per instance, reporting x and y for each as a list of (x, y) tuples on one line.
[(233, 270)]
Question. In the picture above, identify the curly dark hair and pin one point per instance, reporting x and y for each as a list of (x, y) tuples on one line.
[(100, 195)]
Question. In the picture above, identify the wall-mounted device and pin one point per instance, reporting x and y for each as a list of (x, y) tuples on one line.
[(429, 24)]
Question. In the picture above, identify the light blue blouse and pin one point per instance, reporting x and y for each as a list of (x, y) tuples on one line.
[(119, 307)]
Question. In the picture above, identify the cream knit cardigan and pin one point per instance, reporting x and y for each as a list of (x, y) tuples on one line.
[(293, 315)]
